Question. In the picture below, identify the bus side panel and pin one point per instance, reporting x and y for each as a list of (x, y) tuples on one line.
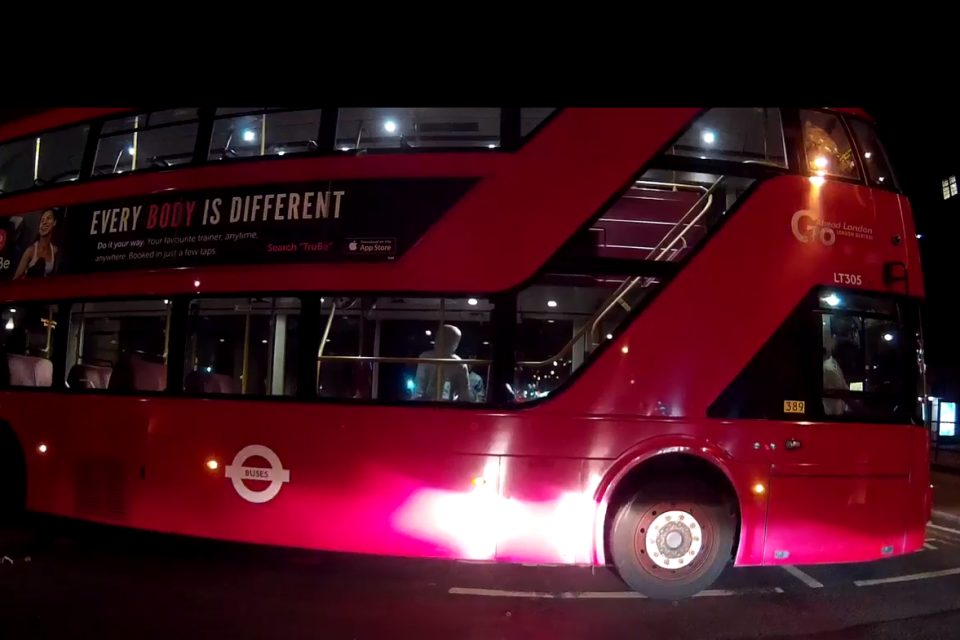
[(94, 465), (920, 500), (347, 479), (834, 519), (841, 495), (546, 510)]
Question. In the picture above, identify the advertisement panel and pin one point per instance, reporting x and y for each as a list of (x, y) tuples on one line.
[(340, 221)]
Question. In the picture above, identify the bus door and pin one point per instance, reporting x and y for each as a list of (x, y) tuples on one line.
[(840, 473)]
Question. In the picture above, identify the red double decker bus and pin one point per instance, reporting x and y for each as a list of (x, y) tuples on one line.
[(662, 339)]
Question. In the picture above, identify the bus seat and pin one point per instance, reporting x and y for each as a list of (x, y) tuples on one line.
[(148, 376), (87, 376), (204, 383), (29, 371)]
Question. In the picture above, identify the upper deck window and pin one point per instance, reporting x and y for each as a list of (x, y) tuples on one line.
[(826, 146), (873, 155), (662, 216), (751, 135), (531, 117), (46, 159), (245, 132), (147, 141), (415, 127)]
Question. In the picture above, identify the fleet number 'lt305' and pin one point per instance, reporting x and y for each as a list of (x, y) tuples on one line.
[(847, 278)]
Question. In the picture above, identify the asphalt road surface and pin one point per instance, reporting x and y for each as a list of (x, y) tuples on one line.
[(104, 583)]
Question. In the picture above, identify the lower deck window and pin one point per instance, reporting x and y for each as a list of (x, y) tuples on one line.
[(243, 346), (118, 345), (563, 320), (27, 344), (405, 349), (840, 357)]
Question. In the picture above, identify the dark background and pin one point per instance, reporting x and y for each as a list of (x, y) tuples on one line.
[(921, 162)]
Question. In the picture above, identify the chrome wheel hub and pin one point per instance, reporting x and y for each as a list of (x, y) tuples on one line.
[(673, 539)]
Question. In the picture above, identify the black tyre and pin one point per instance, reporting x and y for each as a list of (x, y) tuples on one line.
[(673, 538)]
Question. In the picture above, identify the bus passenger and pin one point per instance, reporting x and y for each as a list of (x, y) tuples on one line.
[(832, 377), (455, 378)]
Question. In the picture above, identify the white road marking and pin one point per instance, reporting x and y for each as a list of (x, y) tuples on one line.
[(802, 577), (927, 545), (939, 528), (909, 578), (593, 595), (501, 593), (944, 515)]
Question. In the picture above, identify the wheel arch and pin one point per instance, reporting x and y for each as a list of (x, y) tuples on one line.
[(690, 453)]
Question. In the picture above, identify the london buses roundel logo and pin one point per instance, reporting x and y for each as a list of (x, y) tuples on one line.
[(240, 474)]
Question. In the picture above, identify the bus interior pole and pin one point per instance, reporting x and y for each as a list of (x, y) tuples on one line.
[(375, 387), (166, 338), (80, 335), (437, 349), (50, 325), (263, 135), (136, 125), (323, 340), (246, 355)]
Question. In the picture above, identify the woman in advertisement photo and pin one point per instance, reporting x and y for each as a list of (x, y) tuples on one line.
[(40, 258)]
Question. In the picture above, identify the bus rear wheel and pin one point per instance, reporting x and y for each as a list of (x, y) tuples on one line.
[(673, 539)]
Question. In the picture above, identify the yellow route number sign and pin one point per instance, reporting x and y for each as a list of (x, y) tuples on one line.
[(793, 406)]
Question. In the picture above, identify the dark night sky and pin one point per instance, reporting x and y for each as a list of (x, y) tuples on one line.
[(921, 160)]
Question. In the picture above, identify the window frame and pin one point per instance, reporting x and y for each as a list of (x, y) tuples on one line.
[(804, 167), (59, 337), (62, 357), (98, 137), (510, 141), (91, 135), (183, 334), (213, 117), (805, 321), (894, 187), (905, 310)]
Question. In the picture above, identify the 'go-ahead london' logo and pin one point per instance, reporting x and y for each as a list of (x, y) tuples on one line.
[(275, 474), (808, 227)]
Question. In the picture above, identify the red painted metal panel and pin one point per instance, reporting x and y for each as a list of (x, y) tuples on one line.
[(830, 519), (919, 502), (52, 119), (746, 279)]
